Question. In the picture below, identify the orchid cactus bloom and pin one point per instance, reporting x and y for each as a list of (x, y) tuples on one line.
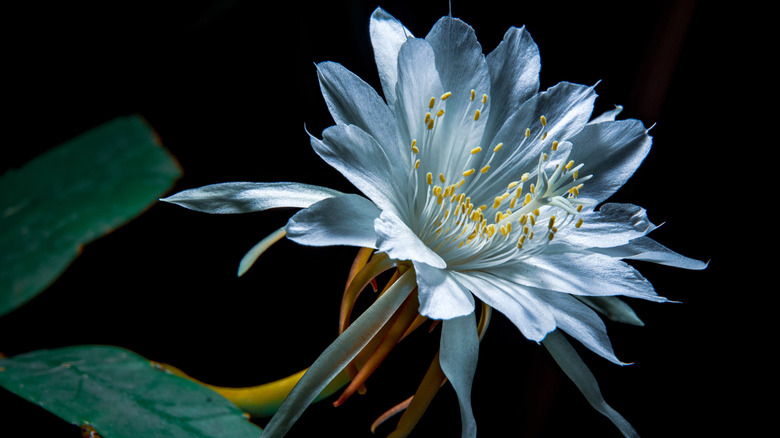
[(481, 192)]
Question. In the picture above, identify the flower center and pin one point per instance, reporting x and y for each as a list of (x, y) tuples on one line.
[(516, 222)]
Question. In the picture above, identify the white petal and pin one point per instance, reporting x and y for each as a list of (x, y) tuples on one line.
[(387, 37), (514, 74), (400, 242), (245, 197), (576, 319), (338, 355), (417, 82), (571, 363), (359, 157), (343, 220), (441, 295), (612, 225), (611, 152), (566, 107), (648, 250), (351, 101), (608, 116), (587, 274), (526, 311), (613, 308), (458, 359), (462, 68)]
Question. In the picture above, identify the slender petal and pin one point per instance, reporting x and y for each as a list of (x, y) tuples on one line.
[(253, 254), (459, 349), (576, 319), (571, 363), (246, 197), (591, 275), (340, 353), (387, 37), (351, 101), (613, 308), (612, 225), (611, 152), (362, 160), (514, 72), (342, 220), (526, 311), (648, 250)]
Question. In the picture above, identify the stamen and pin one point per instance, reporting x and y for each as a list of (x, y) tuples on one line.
[(542, 119), (498, 147), (485, 169), (579, 223), (484, 98), (473, 94), (446, 95), (476, 115), (429, 178), (441, 178), (476, 150), (440, 113), (432, 102), (468, 172)]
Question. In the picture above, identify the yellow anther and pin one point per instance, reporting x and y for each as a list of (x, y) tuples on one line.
[(554, 229), (430, 124), (544, 135), (473, 94), (427, 117), (440, 113), (441, 178), (469, 172), (457, 186), (496, 202), (551, 236), (569, 165), (532, 218), (512, 185), (574, 191), (508, 227), (436, 190), (484, 98), (555, 145), (521, 240), (526, 230), (432, 102), (512, 202), (446, 95), (415, 149), (523, 219), (414, 142), (526, 176), (527, 199), (476, 115), (552, 222), (503, 230), (532, 189), (429, 178), (482, 208), (499, 216), (545, 157), (485, 169), (491, 230), (519, 192), (579, 223), (417, 164), (537, 212), (476, 150), (579, 208), (527, 132), (543, 119), (498, 147)]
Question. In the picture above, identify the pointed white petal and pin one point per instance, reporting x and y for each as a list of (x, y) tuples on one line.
[(245, 197), (608, 116), (387, 37), (359, 157), (441, 295), (571, 363), (340, 353), (458, 359), (589, 274), (526, 311), (613, 308), (611, 152), (514, 76), (612, 225), (648, 250), (343, 220), (417, 82), (399, 242), (351, 101), (580, 322)]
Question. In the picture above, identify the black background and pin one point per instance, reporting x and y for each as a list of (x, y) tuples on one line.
[(229, 85)]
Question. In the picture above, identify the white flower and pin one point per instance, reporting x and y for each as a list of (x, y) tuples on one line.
[(477, 185)]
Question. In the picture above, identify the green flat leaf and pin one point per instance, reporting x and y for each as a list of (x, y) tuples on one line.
[(121, 394), (71, 195)]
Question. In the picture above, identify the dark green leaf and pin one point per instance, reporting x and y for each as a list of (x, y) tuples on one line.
[(121, 394), (71, 195)]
